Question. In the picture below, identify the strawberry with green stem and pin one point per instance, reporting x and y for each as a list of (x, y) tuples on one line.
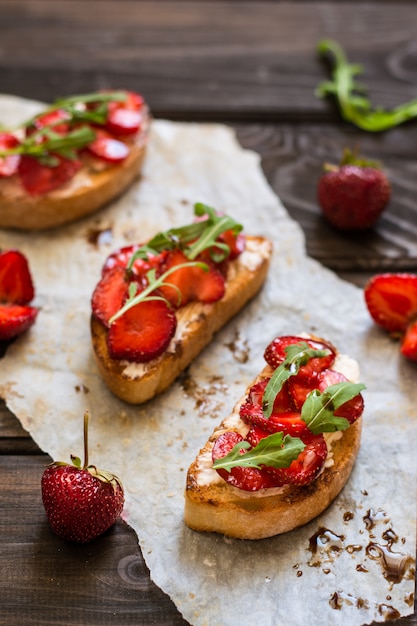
[(80, 500), (353, 194)]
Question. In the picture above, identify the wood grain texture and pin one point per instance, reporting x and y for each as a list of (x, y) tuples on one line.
[(250, 64), (292, 157), (206, 60), (49, 581)]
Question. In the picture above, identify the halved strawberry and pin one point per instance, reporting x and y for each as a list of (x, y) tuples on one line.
[(192, 283), (109, 294), (8, 164), (392, 300), (143, 332), (108, 148), (16, 285), (305, 468), (39, 179), (409, 342), (15, 319), (275, 353), (246, 478)]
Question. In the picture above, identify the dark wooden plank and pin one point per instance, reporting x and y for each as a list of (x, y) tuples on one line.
[(292, 157), (47, 581), (206, 60)]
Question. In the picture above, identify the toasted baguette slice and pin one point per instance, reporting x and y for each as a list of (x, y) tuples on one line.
[(93, 186), (213, 505), (197, 323)]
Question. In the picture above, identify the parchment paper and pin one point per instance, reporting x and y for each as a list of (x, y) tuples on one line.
[(335, 570)]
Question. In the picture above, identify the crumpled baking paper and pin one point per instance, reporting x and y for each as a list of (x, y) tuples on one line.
[(353, 564)]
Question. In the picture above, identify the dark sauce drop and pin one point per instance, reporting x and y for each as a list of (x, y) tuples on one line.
[(324, 542), (100, 236), (395, 565), (374, 517)]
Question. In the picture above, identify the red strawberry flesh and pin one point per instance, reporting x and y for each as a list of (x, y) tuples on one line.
[(109, 294), (192, 282), (15, 319), (39, 179), (143, 332), (16, 285), (392, 300), (246, 478)]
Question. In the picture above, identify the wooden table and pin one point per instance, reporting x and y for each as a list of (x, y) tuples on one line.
[(252, 65)]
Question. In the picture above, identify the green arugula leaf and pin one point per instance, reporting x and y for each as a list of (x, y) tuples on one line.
[(45, 142), (318, 409), (200, 235), (350, 95), (297, 354), (273, 451)]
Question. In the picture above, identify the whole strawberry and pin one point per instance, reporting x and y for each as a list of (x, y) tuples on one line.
[(353, 194), (81, 502)]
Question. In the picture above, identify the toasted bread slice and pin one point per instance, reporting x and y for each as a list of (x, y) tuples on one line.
[(213, 505), (89, 190), (197, 323)]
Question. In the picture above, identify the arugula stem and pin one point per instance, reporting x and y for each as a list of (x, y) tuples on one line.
[(354, 106)]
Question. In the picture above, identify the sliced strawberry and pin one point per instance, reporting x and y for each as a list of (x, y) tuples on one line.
[(409, 342), (236, 243), (16, 285), (246, 478), (283, 417), (8, 164), (275, 353), (15, 319), (143, 332), (39, 179), (140, 267), (191, 283), (301, 385), (352, 409), (55, 120), (109, 294), (392, 300), (306, 467), (108, 148), (125, 118)]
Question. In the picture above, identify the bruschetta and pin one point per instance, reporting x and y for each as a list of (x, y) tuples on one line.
[(157, 305), (287, 449), (71, 159)]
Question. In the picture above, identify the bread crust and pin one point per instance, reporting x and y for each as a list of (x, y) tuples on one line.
[(202, 322), (90, 189), (221, 508)]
